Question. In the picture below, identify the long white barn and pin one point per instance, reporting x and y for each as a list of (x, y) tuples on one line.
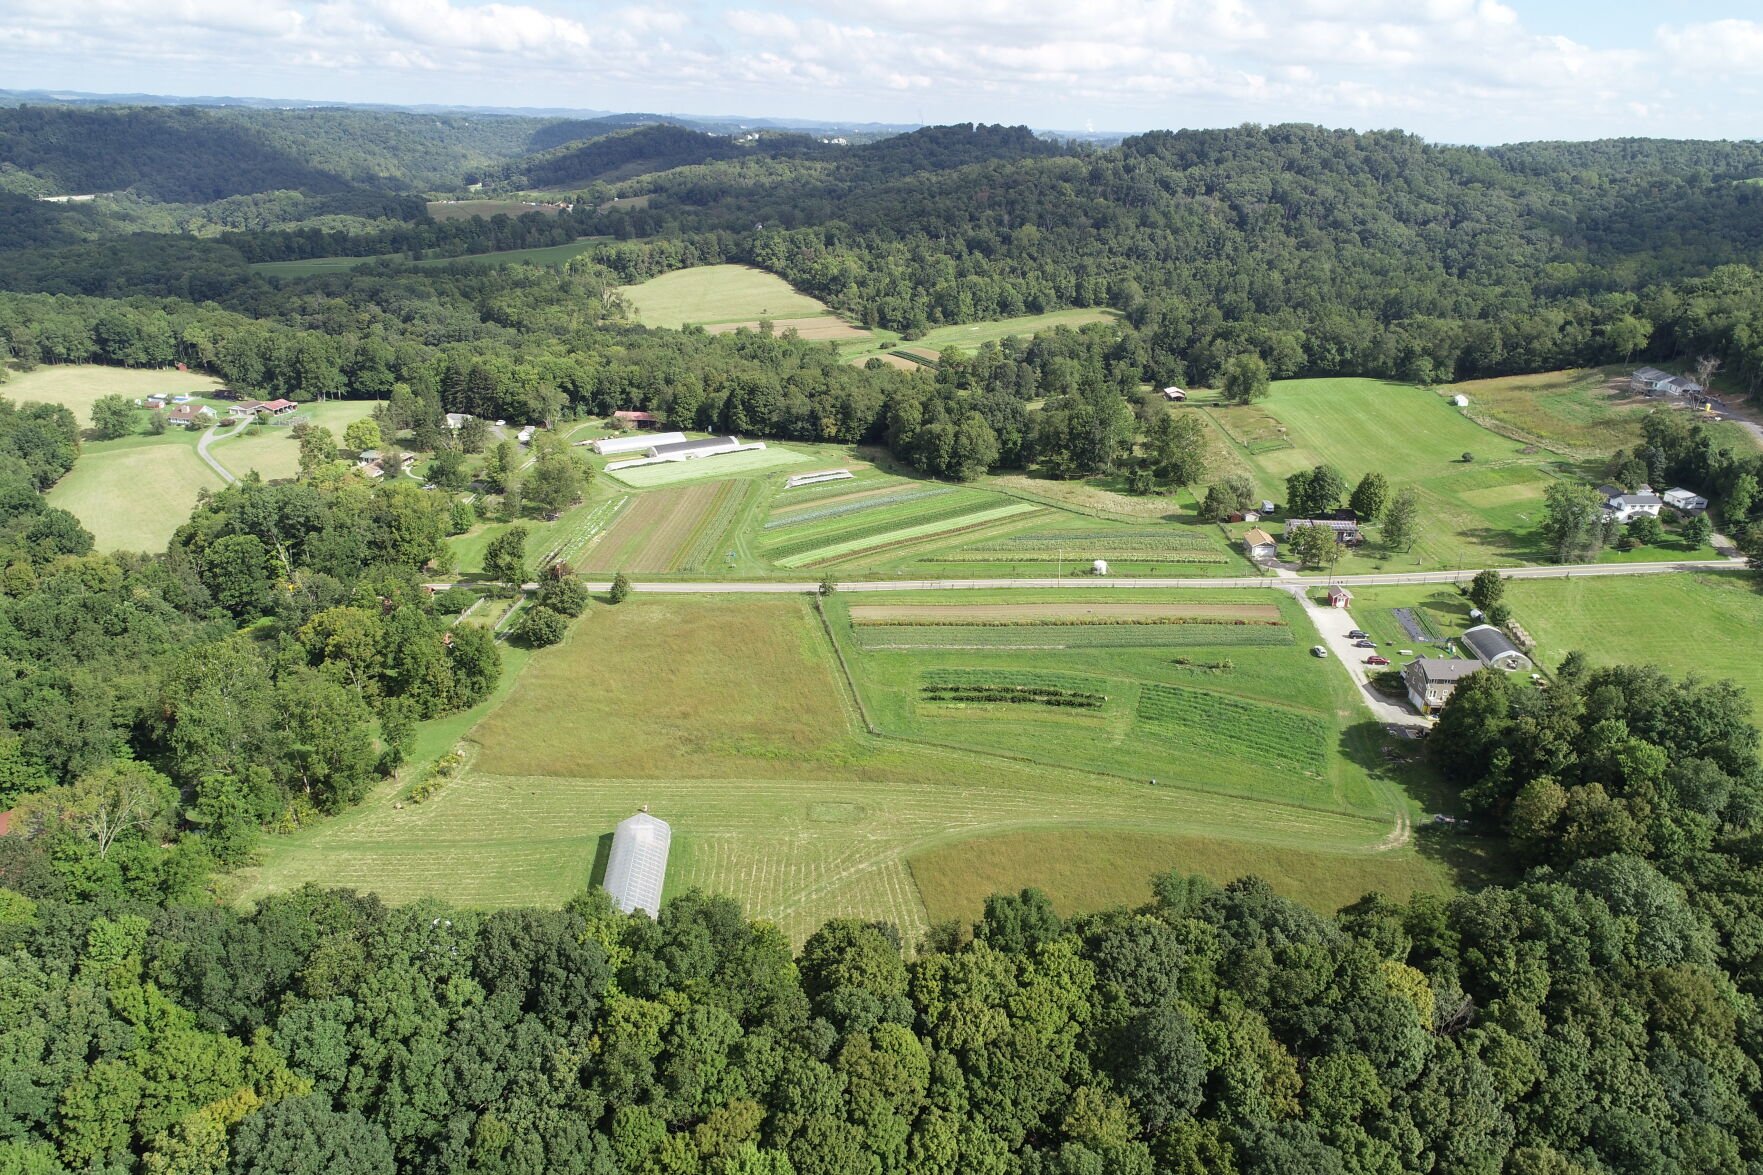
[(637, 867), (606, 446)]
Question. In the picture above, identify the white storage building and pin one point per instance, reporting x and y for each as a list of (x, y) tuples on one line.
[(637, 867)]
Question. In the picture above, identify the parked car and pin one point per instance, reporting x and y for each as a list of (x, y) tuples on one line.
[(1318, 651), (1374, 659), (1357, 635), (1365, 644)]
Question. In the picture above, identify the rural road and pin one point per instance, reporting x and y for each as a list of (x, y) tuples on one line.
[(210, 435), (790, 587)]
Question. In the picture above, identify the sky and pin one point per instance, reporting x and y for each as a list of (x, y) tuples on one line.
[(1465, 71)]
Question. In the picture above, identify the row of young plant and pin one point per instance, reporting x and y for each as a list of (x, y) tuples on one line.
[(1200, 721), (839, 509), (951, 621), (1012, 694), (1074, 557), (1068, 636), (731, 500), (898, 519)]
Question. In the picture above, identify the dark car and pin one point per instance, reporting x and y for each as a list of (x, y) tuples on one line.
[(1376, 660), (1365, 644), (1356, 634)]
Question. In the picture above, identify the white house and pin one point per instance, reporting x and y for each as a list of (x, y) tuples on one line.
[(1259, 546), (456, 420), (1625, 507), (1685, 501)]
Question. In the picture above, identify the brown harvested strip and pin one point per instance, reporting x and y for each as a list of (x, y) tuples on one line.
[(1064, 613)]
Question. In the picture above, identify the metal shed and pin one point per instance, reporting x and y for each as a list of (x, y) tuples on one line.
[(637, 866), (1493, 647)]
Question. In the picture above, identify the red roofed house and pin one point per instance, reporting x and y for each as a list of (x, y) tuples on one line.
[(630, 419), (278, 407)]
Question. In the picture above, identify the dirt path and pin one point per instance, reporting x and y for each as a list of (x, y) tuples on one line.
[(208, 437)]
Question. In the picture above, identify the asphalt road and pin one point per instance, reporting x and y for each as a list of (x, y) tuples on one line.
[(792, 587)]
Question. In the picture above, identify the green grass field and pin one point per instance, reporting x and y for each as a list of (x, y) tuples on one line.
[(78, 386), (272, 450), (778, 797), (1702, 622), (134, 493), (1586, 413), (1482, 513), (711, 294)]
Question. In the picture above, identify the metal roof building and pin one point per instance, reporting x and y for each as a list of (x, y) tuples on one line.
[(606, 446), (674, 450), (1492, 647), (637, 866)]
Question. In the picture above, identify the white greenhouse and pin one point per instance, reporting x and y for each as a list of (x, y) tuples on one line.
[(637, 867)]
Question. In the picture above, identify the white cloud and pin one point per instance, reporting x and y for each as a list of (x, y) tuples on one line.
[(1464, 69)]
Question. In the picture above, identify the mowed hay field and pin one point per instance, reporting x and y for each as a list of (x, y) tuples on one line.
[(1693, 622), (134, 493), (776, 794), (1477, 514), (78, 386), (682, 529), (1587, 413), (727, 296)]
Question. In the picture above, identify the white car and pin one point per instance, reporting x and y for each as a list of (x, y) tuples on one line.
[(1318, 651)]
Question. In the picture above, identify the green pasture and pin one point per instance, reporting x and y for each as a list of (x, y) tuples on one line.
[(1584, 413), (779, 797), (710, 294), (1703, 622), (134, 493), (77, 386), (272, 451), (968, 337)]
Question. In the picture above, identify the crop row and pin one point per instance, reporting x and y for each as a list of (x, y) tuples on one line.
[(1047, 681), (802, 495), (954, 620), (1071, 636), (913, 537), (1118, 540), (909, 523), (987, 553), (857, 507), (861, 528), (731, 500), (1209, 723), (1020, 695)]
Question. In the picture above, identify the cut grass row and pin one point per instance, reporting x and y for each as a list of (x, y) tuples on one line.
[(881, 637)]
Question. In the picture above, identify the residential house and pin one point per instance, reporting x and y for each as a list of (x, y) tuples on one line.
[(1345, 531), (1685, 501), (1623, 507), (1432, 680), (1259, 546), (1495, 648), (1650, 380), (457, 420), (186, 415)]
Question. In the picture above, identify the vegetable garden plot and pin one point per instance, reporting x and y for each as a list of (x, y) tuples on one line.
[(1066, 613), (901, 524), (1191, 720), (856, 506), (1012, 687)]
